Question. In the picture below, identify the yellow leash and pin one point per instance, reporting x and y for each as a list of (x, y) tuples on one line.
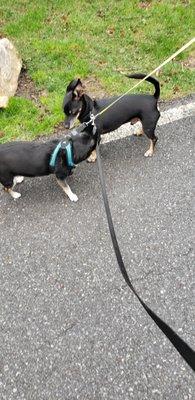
[(147, 76)]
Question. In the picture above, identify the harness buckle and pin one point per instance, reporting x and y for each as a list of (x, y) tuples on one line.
[(63, 145)]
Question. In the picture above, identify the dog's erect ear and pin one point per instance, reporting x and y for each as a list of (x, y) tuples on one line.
[(72, 85), (79, 90), (76, 87)]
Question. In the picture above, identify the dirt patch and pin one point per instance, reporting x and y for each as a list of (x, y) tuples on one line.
[(26, 87), (190, 62), (59, 130), (2, 34), (144, 4), (94, 88), (2, 134)]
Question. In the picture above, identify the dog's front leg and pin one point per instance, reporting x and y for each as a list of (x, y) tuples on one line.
[(66, 188)]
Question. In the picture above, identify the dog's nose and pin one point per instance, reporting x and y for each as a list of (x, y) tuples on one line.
[(67, 124)]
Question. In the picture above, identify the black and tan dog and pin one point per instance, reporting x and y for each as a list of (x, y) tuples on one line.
[(130, 108), (31, 159)]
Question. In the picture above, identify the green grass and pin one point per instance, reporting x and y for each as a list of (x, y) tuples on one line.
[(59, 40)]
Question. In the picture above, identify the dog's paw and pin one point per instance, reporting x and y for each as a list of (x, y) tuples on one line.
[(15, 195), (148, 153), (92, 158), (18, 179), (73, 197)]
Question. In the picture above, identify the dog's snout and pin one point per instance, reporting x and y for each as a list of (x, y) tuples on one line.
[(67, 124)]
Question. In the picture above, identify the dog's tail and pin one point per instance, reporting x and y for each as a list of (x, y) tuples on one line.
[(149, 79)]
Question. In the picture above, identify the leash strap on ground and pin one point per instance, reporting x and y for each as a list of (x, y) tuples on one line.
[(147, 76), (182, 347)]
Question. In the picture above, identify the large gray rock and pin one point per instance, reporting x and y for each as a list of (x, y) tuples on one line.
[(10, 66)]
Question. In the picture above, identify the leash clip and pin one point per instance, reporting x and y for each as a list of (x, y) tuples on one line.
[(92, 118), (91, 121)]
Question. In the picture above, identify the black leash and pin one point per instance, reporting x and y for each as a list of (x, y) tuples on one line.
[(182, 347)]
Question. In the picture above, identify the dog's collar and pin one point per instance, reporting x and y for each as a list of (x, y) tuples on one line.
[(67, 147)]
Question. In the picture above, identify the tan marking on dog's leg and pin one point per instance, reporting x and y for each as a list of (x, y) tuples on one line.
[(150, 151), (66, 188), (139, 131), (15, 195), (93, 156), (138, 128)]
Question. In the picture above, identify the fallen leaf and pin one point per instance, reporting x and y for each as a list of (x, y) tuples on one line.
[(64, 18), (122, 33), (101, 14), (100, 62), (190, 62), (176, 89), (110, 31), (144, 4)]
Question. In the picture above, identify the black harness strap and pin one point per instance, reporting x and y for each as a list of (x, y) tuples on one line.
[(182, 347)]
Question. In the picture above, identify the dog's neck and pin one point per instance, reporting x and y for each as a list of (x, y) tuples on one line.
[(87, 108)]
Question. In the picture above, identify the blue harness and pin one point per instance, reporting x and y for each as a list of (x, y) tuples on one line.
[(67, 147)]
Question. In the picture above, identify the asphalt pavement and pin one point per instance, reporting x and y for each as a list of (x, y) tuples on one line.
[(70, 327)]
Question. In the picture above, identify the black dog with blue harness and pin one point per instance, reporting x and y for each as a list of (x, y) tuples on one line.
[(59, 157)]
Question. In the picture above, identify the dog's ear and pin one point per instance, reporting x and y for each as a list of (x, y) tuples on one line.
[(72, 85), (78, 90)]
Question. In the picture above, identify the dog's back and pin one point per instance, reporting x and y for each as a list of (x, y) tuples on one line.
[(123, 111), (26, 158)]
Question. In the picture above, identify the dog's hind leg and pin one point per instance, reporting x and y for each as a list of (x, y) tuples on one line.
[(66, 188), (8, 183), (149, 127), (150, 151), (15, 195), (18, 179)]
